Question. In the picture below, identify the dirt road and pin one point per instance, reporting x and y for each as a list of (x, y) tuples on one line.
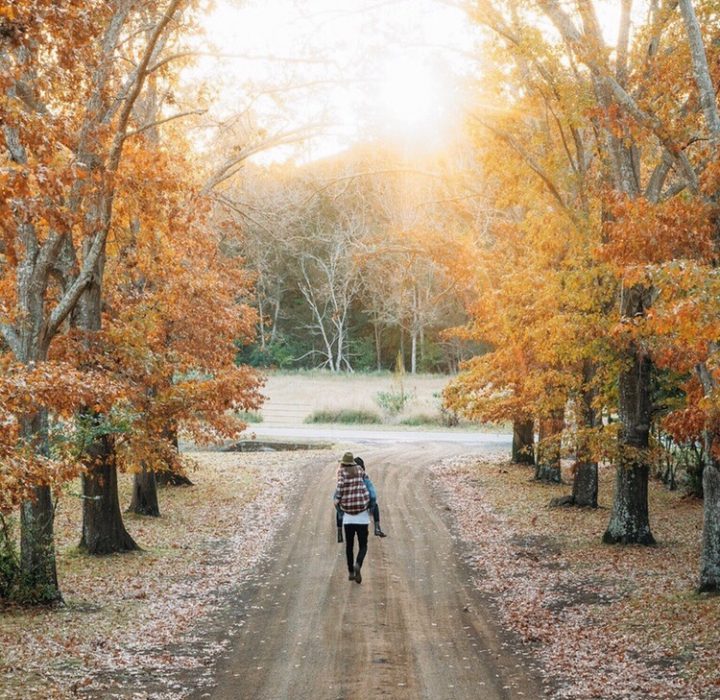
[(415, 628)]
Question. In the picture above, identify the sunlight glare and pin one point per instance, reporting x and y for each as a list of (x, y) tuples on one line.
[(412, 99)]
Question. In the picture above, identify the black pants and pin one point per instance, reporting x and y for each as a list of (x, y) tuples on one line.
[(362, 535)]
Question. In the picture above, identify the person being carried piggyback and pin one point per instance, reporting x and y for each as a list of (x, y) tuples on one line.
[(354, 497)]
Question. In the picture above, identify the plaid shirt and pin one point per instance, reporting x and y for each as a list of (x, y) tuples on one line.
[(351, 494)]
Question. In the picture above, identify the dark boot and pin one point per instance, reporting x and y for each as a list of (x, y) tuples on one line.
[(340, 537), (378, 531)]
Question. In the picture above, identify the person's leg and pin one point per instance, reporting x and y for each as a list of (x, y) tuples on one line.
[(376, 518), (349, 542), (362, 533)]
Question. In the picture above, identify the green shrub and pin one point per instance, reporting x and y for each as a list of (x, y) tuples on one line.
[(9, 560), (344, 415), (250, 416), (393, 401), (423, 419)]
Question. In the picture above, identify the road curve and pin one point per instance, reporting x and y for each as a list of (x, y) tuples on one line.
[(414, 629)]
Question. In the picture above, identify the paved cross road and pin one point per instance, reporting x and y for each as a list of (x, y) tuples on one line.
[(494, 441), (416, 628)]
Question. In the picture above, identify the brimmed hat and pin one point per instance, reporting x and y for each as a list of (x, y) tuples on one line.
[(347, 459)]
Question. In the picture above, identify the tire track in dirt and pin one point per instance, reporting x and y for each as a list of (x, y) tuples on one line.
[(415, 627)]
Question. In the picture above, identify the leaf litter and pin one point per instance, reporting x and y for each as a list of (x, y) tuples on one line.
[(134, 625), (605, 621)]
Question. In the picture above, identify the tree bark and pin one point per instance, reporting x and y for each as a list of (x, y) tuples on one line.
[(585, 482), (523, 444), (103, 530), (629, 519), (585, 485), (547, 467), (413, 352), (38, 571), (710, 554), (378, 348), (144, 499), (585, 470)]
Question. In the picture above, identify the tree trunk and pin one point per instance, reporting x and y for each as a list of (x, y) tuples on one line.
[(261, 322), (547, 467), (276, 316), (710, 554), (585, 470), (103, 531), (378, 348), (38, 571), (144, 495), (585, 485), (413, 352), (585, 482), (629, 519), (523, 444)]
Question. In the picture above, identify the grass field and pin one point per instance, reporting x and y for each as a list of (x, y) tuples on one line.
[(293, 397)]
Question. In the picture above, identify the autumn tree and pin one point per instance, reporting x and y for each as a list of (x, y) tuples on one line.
[(59, 185), (646, 114)]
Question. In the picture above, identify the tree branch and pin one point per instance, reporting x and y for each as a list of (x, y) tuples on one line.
[(180, 115), (532, 164), (703, 80), (11, 338)]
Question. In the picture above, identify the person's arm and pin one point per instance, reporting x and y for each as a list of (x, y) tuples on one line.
[(371, 491), (338, 488)]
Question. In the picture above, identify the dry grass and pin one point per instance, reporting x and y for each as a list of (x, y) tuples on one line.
[(123, 611), (293, 397), (609, 622)]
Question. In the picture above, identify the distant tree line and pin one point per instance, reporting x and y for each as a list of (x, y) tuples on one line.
[(352, 258)]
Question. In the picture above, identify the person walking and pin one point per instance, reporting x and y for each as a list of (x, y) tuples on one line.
[(353, 499)]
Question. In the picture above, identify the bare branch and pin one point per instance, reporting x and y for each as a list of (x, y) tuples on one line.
[(180, 115)]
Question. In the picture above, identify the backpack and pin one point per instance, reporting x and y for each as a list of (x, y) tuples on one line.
[(353, 495)]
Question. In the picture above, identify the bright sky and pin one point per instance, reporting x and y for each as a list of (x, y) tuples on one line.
[(356, 67), (351, 68)]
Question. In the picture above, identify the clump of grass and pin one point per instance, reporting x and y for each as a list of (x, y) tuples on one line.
[(344, 415), (250, 416), (424, 419)]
